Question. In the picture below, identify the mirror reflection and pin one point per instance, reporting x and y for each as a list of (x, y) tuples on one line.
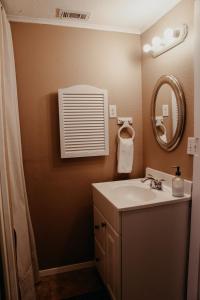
[(166, 113)]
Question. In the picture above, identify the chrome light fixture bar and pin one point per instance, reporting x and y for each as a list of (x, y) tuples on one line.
[(171, 38)]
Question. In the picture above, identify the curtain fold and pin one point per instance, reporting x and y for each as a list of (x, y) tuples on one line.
[(26, 258)]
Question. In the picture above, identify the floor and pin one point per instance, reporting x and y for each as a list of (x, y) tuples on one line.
[(77, 285)]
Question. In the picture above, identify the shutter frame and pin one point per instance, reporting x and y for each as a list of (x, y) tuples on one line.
[(83, 119)]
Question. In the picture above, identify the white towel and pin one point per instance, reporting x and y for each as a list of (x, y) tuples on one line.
[(125, 155)]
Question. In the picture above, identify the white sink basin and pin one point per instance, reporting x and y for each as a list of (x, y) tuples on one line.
[(133, 193)]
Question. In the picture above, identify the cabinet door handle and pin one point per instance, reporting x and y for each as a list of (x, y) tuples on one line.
[(96, 227), (103, 224), (97, 259)]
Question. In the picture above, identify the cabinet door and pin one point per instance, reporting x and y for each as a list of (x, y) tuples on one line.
[(113, 263), (99, 228), (100, 261)]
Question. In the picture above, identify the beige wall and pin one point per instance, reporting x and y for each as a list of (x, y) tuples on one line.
[(177, 62), (50, 57), (59, 190)]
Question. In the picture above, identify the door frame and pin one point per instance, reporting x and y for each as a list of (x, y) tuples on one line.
[(193, 292)]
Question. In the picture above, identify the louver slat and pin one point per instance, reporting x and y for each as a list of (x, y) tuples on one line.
[(83, 114)]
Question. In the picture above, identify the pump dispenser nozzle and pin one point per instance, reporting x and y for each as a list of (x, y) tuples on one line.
[(178, 172)]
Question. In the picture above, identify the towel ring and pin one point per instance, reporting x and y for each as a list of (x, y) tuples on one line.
[(162, 125), (126, 125)]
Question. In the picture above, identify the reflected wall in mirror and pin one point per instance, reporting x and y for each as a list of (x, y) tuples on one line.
[(168, 112)]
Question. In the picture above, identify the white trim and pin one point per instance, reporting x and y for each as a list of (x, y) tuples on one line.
[(64, 23), (68, 268), (57, 22)]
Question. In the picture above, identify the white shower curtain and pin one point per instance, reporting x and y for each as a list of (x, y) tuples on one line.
[(194, 259), (12, 183)]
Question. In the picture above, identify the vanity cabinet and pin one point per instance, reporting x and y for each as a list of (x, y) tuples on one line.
[(142, 253), (107, 254)]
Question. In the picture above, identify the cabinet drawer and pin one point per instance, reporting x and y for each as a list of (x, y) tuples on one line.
[(100, 228), (100, 261)]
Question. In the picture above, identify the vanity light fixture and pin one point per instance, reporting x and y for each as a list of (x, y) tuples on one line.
[(171, 38)]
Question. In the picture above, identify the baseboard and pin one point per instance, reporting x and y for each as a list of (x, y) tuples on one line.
[(68, 268)]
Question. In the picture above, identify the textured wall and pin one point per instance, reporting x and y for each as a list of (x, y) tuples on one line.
[(59, 191), (178, 62)]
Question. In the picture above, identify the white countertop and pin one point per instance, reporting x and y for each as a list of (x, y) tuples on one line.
[(133, 194)]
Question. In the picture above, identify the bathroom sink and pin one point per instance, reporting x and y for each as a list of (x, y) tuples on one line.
[(128, 194), (133, 193)]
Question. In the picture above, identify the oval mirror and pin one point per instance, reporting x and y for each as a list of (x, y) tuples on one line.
[(168, 112)]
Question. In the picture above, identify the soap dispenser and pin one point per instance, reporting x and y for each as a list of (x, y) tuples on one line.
[(178, 184)]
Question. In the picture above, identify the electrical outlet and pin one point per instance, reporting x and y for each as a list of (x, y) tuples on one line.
[(192, 147), (113, 111)]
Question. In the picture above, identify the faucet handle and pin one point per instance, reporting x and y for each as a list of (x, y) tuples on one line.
[(161, 180), (158, 184), (150, 176)]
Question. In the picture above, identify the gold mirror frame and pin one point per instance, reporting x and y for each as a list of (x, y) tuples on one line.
[(180, 97)]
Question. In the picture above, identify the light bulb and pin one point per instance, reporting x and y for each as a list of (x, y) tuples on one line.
[(169, 35), (147, 48), (177, 33), (156, 41)]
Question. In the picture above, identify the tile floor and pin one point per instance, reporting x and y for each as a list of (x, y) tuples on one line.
[(77, 285)]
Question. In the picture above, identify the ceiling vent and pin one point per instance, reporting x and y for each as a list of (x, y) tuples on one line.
[(72, 15)]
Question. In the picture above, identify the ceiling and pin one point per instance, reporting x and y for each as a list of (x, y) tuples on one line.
[(134, 16)]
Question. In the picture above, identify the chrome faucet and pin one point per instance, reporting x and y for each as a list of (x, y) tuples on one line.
[(155, 183)]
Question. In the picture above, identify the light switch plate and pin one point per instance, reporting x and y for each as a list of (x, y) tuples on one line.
[(113, 111), (165, 110), (192, 147)]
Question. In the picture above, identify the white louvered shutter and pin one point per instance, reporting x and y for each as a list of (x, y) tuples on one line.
[(83, 115)]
